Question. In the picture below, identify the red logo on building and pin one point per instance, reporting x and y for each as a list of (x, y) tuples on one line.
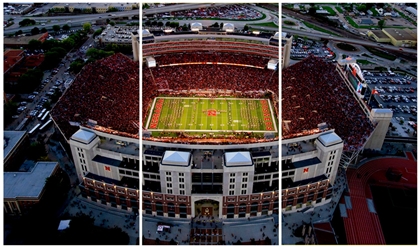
[(305, 170), (107, 168)]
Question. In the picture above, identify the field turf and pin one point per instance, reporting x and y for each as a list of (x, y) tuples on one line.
[(193, 114)]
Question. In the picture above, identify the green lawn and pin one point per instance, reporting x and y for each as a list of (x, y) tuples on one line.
[(339, 9), (309, 25), (330, 10), (193, 114)]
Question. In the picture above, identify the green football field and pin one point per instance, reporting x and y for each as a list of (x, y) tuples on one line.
[(193, 114)]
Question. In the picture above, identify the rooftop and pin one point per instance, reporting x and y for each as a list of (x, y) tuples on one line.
[(11, 138), (28, 184), (400, 34)]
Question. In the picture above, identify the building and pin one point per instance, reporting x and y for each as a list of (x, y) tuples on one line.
[(23, 41), (11, 59), (147, 37), (185, 177), (319, 136), (101, 130), (286, 46), (411, 10), (24, 190), (401, 37), (135, 43), (15, 144), (379, 36)]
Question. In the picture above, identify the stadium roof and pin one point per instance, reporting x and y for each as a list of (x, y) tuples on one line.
[(238, 159), (83, 136), (177, 158), (28, 184), (330, 139)]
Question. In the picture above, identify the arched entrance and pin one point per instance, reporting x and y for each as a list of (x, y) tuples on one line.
[(207, 206)]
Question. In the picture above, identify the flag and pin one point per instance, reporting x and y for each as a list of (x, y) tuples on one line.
[(359, 87), (375, 92)]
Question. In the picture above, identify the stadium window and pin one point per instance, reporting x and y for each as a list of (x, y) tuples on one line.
[(243, 191), (232, 186), (181, 186), (232, 180), (169, 191), (181, 179), (180, 174), (231, 192), (244, 185), (244, 174), (168, 179), (169, 185), (168, 173), (182, 192), (244, 179), (232, 175)]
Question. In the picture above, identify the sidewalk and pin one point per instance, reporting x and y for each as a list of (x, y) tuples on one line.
[(106, 217), (243, 229), (292, 221)]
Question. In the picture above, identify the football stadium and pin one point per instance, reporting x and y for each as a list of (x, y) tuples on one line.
[(210, 139)]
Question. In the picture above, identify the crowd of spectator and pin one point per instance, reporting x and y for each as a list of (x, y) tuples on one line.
[(213, 57), (314, 93), (203, 45), (105, 91)]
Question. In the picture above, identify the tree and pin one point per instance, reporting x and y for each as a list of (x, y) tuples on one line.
[(97, 32), (167, 24), (246, 28), (48, 44), (26, 22), (160, 24), (44, 30), (34, 44), (87, 27), (216, 25), (361, 7), (56, 28), (35, 31), (30, 80), (19, 32), (184, 27), (312, 11), (52, 59), (68, 43), (66, 27), (36, 150), (381, 23)]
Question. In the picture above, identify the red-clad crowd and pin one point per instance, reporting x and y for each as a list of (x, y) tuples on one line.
[(107, 92), (214, 57), (314, 93)]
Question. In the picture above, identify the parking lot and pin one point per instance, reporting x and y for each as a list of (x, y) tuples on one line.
[(302, 49), (397, 92)]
